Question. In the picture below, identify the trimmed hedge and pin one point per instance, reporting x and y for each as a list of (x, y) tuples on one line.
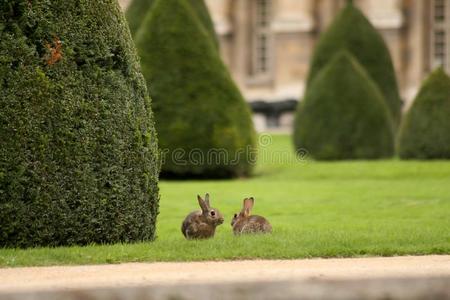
[(343, 115), (138, 9), (425, 132), (352, 31), (203, 14), (136, 13), (197, 106), (79, 160)]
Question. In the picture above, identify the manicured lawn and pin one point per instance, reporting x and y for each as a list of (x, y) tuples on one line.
[(317, 209)]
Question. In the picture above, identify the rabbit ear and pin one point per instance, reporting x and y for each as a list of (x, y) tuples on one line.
[(202, 204), (207, 199), (248, 205)]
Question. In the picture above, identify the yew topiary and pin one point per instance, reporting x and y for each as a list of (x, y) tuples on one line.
[(136, 13), (343, 115), (79, 161), (138, 9), (351, 31), (425, 132), (204, 124)]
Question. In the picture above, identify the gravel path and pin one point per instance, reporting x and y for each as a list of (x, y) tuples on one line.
[(144, 274)]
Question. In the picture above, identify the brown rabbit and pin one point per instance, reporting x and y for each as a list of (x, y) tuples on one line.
[(202, 224), (244, 223)]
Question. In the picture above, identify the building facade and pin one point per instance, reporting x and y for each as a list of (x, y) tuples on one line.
[(268, 45)]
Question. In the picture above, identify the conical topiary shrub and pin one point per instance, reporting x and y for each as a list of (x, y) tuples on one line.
[(78, 154), (138, 9), (352, 31), (343, 115), (203, 123), (425, 132), (136, 13)]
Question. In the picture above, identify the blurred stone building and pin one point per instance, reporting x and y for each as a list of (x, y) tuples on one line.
[(268, 44)]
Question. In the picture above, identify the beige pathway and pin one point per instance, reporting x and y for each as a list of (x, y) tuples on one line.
[(145, 274)]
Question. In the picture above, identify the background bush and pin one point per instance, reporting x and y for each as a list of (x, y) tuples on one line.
[(136, 13), (197, 106), (343, 115), (78, 155), (425, 132), (352, 31), (138, 9)]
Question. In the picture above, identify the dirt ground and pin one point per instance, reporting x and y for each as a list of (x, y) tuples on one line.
[(145, 274)]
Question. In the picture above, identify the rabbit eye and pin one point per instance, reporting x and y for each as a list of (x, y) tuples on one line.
[(235, 215), (213, 213)]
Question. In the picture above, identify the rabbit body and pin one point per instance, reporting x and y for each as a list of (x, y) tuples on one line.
[(244, 223), (252, 224), (201, 224)]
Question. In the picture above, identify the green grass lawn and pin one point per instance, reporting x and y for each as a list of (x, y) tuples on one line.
[(317, 209)]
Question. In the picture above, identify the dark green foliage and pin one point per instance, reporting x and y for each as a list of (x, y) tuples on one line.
[(197, 106), (352, 31), (425, 132), (343, 115), (136, 13), (138, 9), (78, 155), (202, 12)]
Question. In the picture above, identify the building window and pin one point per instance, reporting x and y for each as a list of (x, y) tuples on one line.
[(261, 40), (440, 35)]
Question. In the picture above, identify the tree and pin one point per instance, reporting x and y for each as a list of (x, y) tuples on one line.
[(343, 115), (136, 13), (425, 130), (79, 160), (138, 9), (351, 31), (198, 108)]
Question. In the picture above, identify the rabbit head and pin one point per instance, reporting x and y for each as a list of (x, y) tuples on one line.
[(245, 212), (211, 215)]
